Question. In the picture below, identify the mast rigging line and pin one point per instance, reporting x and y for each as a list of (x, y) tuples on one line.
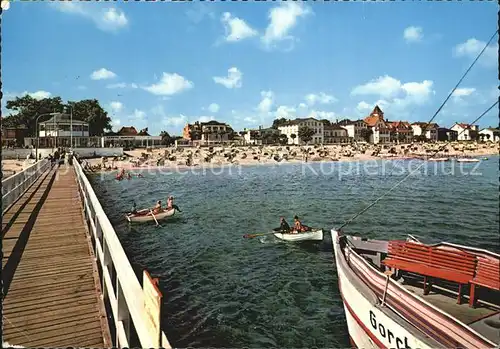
[(409, 174), (459, 81), (424, 129)]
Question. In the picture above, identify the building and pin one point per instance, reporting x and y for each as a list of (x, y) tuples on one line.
[(380, 131), (59, 131), (13, 136), (291, 130), (465, 132), (335, 134), (490, 134), (355, 129), (429, 131), (446, 135), (128, 137), (261, 136), (400, 131), (210, 132)]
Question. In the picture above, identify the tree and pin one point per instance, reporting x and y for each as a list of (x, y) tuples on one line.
[(293, 136), (279, 122), (366, 133), (488, 136), (90, 111), (305, 134), (166, 139), (27, 109), (283, 139)]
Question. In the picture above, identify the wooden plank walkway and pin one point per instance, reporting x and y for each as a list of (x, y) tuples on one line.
[(51, 283)]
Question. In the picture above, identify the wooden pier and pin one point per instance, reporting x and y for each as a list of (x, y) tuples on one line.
[(52, 292)]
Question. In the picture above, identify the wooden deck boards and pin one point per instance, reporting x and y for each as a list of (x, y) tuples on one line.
[(51, 298)]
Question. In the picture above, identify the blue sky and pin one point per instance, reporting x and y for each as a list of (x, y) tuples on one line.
[(160, 65)]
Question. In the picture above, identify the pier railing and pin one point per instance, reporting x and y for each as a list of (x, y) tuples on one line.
[(130, 304), (16, 185)]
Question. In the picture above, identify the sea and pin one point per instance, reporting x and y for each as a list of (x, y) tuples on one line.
[(223, 290)]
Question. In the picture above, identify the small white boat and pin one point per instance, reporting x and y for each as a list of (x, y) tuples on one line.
[(145, 215), (438, 159), (313, 235), (467, 160)]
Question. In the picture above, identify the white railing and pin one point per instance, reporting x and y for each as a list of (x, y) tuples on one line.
[(126, 297), (15, 186)]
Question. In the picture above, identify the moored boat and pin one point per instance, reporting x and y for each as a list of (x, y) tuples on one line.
[(145, 215), (389, 301), (438, 159), (467, 160), (312, 235)]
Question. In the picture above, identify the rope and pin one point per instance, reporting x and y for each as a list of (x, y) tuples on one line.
[(459, 81), (425, 127), (398, 183)]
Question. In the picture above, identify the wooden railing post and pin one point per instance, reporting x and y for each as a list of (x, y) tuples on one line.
[(123, 314)]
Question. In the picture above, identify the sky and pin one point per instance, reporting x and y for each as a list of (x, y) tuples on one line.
[(162, 64)]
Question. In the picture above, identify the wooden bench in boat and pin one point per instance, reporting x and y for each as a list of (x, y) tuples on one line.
[(432, 262), (487, 275)]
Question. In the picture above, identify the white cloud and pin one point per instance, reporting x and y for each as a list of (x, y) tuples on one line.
[(235, 28), (102, 74), (322, 115), (233, 79), (472, 47), (394, 95), (169, 84), (116, 106), (108, 19), (384, 86), (302, 105), (283, 19), (413, 34), (321, 98), (198, 11), (284, 111), (464, 91), (388, 87), (363, 106), (266, 102), (205, 118), (38, 94), (122, 85), (213, 108), (138, 115)]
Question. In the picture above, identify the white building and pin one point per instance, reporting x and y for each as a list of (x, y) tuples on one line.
[(291, 130), (465, 132), (354, 129), (431, 130), (334, 134), (490, 134), (381, 132), (60, 130), (261, 136)]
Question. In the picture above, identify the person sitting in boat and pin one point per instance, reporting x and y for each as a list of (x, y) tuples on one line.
[(298, 226), (170, 204), (157, 208), (134, 209), (284, 226)]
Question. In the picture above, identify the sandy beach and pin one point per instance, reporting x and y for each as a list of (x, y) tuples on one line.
[(191, 157)]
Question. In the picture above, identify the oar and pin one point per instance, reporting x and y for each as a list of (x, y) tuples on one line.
[(251, 236), (152, 214)]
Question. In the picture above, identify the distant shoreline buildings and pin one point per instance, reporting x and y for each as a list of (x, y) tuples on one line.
[(374, 128)]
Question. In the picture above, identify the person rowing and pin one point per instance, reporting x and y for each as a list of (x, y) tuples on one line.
[(157, 209), (284, 226), (298, 226), (170, 204)]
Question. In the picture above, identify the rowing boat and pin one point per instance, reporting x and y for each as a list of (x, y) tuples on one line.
[(403, 294), (467, 160), (145, 215), (313, 235)]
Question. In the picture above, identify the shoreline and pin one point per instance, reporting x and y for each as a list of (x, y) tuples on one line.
[(203, 167)]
